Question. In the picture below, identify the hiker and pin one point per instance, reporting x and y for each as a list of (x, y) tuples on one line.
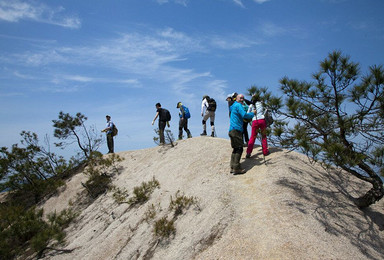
[(164, 118), (245, 123), (208, 110), (109, 133), (258, 122), (236, 133), (231, 98), (183, 123)]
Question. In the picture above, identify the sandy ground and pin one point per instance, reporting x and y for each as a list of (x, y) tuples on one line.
[(282, 208)]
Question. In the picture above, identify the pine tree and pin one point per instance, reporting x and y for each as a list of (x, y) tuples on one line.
[(338, 119)]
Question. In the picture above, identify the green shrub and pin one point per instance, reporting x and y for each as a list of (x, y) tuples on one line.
[(181, 203), (21, 228), (54, 230), (143, 192), (120, 195), (100, 170), (150, 213), (164, 228)]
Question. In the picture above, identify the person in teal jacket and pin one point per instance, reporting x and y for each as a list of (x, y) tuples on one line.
[(236, 133)]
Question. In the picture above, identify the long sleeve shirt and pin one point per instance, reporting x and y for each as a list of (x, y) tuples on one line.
[(204, 106), (237, 115), (259, 110)]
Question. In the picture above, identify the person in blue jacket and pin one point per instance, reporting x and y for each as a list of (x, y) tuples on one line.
[(236, 133), (183, 123)]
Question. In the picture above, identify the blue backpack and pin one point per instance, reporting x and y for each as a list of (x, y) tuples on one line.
[(186, 112)]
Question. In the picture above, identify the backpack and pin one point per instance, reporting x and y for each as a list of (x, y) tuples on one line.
[(114, 130), (186, 112), (165, 115), (268, 118), (211, 105)]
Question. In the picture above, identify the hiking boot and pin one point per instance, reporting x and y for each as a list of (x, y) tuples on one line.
[(232, 162), (248, 155), (204, 133), (239, 171)]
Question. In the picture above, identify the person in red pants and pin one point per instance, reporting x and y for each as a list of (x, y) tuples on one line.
[(258, 122)]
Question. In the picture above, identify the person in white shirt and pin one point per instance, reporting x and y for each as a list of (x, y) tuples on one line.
[(258, 122), (208, 110), (109, 129)]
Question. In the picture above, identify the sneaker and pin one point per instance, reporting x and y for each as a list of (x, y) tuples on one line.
[(213, 134), (203, 133), (248, 155)]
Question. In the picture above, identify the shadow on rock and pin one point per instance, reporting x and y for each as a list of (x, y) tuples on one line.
[(326, 196)]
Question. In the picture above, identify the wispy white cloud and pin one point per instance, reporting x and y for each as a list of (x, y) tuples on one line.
[(26, 39), (218, 88), (16, 10), (12, 94), (260, 1), (23, 76), (271, 29), (87, 79), (180, 2), (240, 2), (79, 78), (41, 58), (232, 42), (133, 58)]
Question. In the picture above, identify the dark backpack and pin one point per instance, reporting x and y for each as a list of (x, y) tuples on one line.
[(165, 115), (268, 118), (114, 130), (211, 105)]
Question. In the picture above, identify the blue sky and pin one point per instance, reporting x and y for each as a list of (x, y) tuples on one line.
[(121, 57)]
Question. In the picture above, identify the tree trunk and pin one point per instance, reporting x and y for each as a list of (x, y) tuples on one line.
[(373, 195)]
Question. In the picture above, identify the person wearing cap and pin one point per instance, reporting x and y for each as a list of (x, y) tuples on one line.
[(208, 110), (183, 123), (231, 98), (108, 129), (236, 133)]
